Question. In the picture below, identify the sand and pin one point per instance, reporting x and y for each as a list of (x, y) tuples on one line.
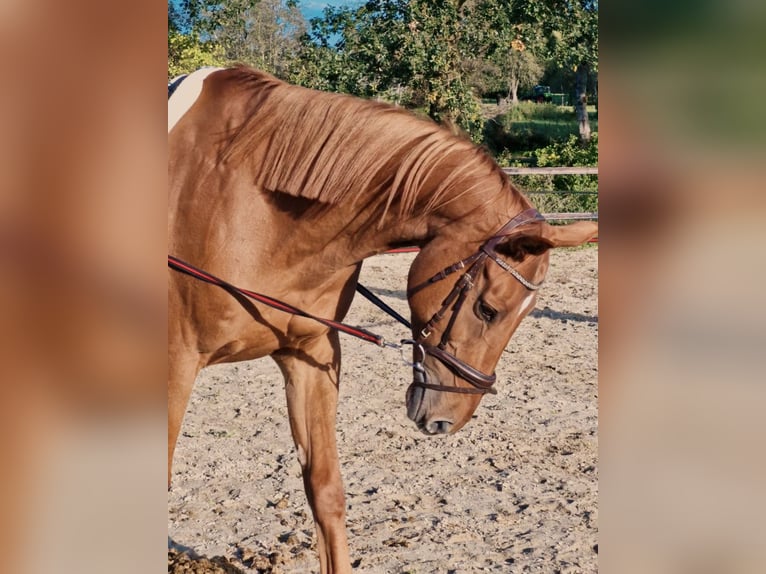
[(513, 491)]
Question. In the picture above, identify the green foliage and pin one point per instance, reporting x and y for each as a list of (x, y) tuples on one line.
[(521, 69), (355, 50), (261, 33), (433, 49), (569, 152), (529, 125), (564, 153), (561, 34), (187, 53), (525, 111), (406, 52), (435, 55), (575, 41)]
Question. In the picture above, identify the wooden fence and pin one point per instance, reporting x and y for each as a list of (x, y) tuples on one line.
[(558, 216), (553, 171)]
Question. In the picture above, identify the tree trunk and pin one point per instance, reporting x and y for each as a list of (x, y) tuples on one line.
[(513, 91), (581, 101)]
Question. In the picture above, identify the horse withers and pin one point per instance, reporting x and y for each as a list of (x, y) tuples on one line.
[(286, 191)]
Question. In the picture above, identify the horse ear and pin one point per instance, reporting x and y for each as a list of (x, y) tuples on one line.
[(570, 235), (519, 245), (541, 237)]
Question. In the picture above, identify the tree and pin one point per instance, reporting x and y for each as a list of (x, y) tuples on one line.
[(520, 68), (186, 52), (409, 51), (357, 50), (581, 101), (437, 54), (573, 43), (261, 33), (507, 37), (562, 34), (434, 47)]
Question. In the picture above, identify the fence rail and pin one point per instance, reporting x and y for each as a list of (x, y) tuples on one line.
[(570, 216), (560, 216), (558, 192), (555, 207), (551, 170)]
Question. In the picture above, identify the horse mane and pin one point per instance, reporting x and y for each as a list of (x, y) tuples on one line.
[(348, 148)]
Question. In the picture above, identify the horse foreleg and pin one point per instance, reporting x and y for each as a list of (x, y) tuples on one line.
[(182, 373), (311, 376)]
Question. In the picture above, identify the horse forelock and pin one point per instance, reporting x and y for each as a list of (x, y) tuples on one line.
[(334, 149)]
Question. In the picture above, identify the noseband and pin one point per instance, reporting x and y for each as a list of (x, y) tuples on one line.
[(473, 264)]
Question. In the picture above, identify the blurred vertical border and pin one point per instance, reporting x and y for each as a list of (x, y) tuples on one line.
[(682, 268), (82, 286)]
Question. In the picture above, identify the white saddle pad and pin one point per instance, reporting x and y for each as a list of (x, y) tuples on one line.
[(186, 94)]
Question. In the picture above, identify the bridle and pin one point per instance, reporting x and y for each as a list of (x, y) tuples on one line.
[(481, 383)]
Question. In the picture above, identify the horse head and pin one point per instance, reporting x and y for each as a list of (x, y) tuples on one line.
[(463, 315)]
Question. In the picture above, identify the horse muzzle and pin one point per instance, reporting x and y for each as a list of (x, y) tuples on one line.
[(418, 406), (419, 415)]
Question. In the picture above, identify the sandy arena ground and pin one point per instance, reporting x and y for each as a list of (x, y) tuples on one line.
[(513, 491)]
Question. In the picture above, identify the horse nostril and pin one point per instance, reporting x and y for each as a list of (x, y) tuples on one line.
[(439, 427)]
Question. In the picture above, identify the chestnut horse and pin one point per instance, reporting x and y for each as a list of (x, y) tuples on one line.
[(286, 191)]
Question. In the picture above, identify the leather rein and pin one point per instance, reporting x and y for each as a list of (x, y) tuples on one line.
[(481, 383)]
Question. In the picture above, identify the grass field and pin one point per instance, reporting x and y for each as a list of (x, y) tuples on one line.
[(545, 135), (527, 126)]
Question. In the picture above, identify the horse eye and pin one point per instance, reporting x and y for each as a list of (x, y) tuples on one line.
[(485, 312)]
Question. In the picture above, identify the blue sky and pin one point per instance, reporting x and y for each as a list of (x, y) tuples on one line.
[(313, 8)]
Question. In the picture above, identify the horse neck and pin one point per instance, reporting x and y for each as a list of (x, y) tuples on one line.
[(326, 239), (468, 221)]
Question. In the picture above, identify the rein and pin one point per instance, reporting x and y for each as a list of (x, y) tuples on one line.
[(481, 383), (189, 269)]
